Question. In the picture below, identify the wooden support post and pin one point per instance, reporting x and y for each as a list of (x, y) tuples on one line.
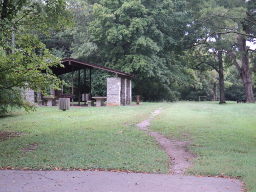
[(72, 85), (137, 99), (85, 86), (79, 88), (90, 80), (84, 80)]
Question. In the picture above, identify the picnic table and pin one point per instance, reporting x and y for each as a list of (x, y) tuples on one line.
[(99, 101), (49, 100), (72, 96)]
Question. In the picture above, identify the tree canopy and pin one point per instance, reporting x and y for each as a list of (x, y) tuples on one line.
[(231, 24), (141, 37), (179, 49), (23, 56)]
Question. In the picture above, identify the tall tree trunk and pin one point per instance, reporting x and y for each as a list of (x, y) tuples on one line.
[(244, 69), (221, 78), (245, 72), (214, 91)]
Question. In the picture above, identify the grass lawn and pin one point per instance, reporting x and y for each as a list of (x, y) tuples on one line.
[(82, 138), (223, 138)]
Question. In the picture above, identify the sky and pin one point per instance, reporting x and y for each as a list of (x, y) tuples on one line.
[(252, 45)]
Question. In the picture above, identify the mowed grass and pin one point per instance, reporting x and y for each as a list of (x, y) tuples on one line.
[(82, 138), (223, 137)]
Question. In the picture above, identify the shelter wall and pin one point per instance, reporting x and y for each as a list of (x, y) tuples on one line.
[(118, 91), (113, 91), (30, 95), (126, 91)]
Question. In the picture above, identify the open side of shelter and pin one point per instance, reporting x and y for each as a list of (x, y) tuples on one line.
[(119, 88)]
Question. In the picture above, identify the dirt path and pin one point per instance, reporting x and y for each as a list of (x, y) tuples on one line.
[(103, 181), (180, 157)]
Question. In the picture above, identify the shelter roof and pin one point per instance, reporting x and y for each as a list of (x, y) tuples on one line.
[(69, 62)]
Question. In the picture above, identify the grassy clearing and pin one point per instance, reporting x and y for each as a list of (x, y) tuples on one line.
[(82, 138), (223, 137)]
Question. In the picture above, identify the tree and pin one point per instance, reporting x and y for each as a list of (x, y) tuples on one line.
[(142, 37), (23, 56), (233, 20), (234, 87), (82, 47), (207, 58)]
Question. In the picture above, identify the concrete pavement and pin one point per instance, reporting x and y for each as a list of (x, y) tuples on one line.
[(98, 181)]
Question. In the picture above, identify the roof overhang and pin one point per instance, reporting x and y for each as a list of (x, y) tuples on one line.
[(71, 64)]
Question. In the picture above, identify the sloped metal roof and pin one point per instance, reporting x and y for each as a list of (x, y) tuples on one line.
[(69, 62)]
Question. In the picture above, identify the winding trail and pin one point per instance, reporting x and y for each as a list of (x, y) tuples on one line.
[(180, 157), (103, 181)]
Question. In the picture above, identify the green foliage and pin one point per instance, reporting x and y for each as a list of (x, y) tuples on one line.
[(203, 84), (146, 38), (204, 71), (11, 99), (235, 90), (129, 36), (22, 69), (23, 56), (150, 89), (59, 43), (81, 45), (225, 26), (141, 37), (99, 82)]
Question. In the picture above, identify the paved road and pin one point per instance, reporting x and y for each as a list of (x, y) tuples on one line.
[(97, 181)]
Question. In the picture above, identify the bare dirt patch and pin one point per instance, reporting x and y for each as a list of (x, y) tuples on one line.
[(8, 134), (31, 147), (180, 157)]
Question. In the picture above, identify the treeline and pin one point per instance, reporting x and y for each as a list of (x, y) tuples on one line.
[(179, 50)]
